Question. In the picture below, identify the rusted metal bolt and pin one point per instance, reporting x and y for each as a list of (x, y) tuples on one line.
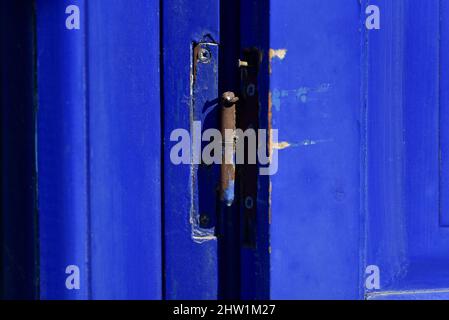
[(228, 124), (229, 98)]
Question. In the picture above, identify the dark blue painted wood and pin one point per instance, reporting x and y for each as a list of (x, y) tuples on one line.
[(18, 232), (229, 244), (255, 261)]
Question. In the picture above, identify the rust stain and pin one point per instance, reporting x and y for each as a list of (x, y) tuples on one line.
[(270, 119), (279, 54), (196, 51), (270, 150)]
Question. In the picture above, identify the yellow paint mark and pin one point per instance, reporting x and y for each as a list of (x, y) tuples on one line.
[(276, 53), (281, 145)]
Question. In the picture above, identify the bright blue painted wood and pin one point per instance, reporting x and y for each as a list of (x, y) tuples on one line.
[(18, 236), (384, 101), (190, 264), (428, 242), (444, 112), (99, 150), (407, 146), (316, 106), (125, 149), (392, 132), (62, 150)]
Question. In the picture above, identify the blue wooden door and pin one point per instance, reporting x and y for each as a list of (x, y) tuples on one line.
[(315, 102), (407, 233), (361, 190), (96, 93), (99, 149)]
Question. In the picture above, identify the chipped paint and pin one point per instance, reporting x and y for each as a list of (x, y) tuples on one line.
[(203, 238), (281, 145), (374, 295), (199, 89), (302, 94), (276, 99), (276, 53), (305, 143), (200, 235)]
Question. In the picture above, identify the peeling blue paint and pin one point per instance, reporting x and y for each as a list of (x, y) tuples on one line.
[(301, 95)]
